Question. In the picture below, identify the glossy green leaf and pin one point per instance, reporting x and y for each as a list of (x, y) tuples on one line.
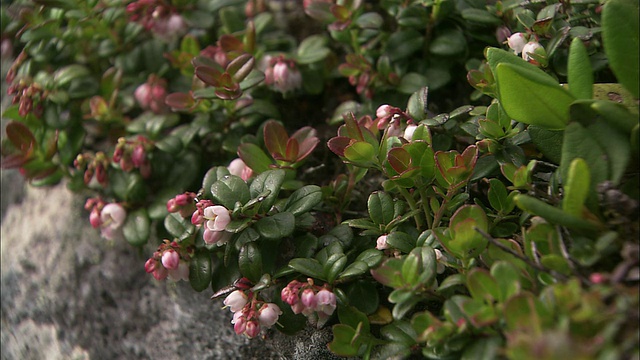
[(276, 226), (401, 241), (303, 199), (230, 189), (177, 226), (342, 343), (200, 270), (250, 261), (553, 214), (308, 267), (271, 181), (360, 153), (212, 175)]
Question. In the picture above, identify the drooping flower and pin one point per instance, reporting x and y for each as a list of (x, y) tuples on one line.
[(112, 217), (283, 75), (381, 242), (532, 47), (517, 42), (236, 300), (170, 259), (216, 220), (268, 314)]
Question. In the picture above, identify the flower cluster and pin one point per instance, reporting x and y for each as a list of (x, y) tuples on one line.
[(250, 314), (171, 260), (182, 203), (94, 167), (151, 95), (317, 303), (132, 154), (391, 118), (29, 95), (156, 16), (108, 217), (519, 44)]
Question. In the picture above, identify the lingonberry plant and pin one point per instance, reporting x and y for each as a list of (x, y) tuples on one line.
[(437, 178)]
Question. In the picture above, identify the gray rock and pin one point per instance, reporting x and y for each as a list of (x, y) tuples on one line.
[(68, 294)]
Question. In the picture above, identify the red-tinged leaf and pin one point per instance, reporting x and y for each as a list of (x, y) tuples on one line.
[(209, 75), (228, 93), (13, 161), (20, 136), (338, 144), (230, 43), (240, 67), (180, 101), (275, 138), (307, 146), (292, 150), (304, 133), (206, 62), (470, 156), (351, 126), (399, 159)]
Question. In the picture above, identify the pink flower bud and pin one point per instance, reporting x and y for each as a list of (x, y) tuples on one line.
[(383, 110), (268, 314), (236, 301), (215, 237), (253, 329), (381, 243), (239, 323), (517, 42), (143, 95), (308, 298), (440, 261), (286, 77), (94, 218), (238, 168), (160, 273), (298, 307), (326, 302), (138, 156), (197, 218), (170, 259), (150, 265)]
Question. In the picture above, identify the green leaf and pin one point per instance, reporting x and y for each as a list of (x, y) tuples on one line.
[(482, 285), (200, 270), (399, 332), (380, 206), (553, 214), (342, 343), (417, 104), (213, 175), (254, 157), (580, 75), (363, 295), (308, 267), (312, 49), (354, 318), (450, 42), (303, 199), (270, 180), (276, 226), (549, 142), (401, 241), (620, 38), (137, 227), (576, 187), (229, 190), (403, 43), (250, 261), (531, 101), (360, 153), (487, 348), (334, 265), (498, 197), (410, 268), (177, 226), (507, 277)]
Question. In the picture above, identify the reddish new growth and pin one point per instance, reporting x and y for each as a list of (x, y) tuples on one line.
[(94, 167), (29, 95)]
